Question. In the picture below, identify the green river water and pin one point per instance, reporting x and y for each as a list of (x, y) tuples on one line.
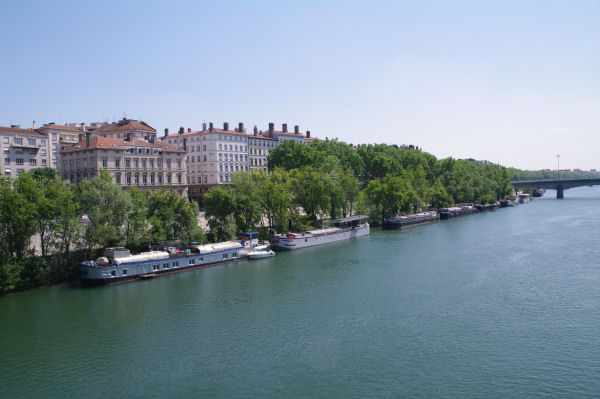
[(504, 304)]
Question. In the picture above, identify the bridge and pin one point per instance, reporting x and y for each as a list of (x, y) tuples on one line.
[(558, 185)]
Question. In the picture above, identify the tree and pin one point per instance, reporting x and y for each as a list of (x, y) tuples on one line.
[(276, 199), (248, 211), (220, 205), (392, 193), (107, 207), (173, 218)]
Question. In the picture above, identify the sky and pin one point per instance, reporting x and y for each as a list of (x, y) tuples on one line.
[(512, 82)]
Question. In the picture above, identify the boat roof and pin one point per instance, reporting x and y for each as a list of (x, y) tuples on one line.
[(351, 219), (250, 232)]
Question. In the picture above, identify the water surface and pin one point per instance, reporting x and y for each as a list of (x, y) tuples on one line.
[(495, 305)]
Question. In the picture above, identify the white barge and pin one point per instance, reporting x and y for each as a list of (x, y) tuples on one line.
[(118, 265), (344, 229)]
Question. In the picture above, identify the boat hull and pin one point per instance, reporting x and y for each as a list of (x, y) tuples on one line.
[(288, 242), (92, 274)]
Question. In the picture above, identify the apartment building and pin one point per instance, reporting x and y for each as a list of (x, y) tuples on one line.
[(213, 155), (259, 146), (59, 137), (23, 150), (132, 155)]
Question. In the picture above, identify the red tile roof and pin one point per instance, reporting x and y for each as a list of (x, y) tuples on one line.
[(60, 127), (207, 132), (125, 125), (118, 144), (18, 130), (260, 136)]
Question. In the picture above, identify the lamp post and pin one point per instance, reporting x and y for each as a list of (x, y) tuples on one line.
[(558, 165)]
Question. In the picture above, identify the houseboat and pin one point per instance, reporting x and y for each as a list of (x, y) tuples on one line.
[(344, 229), (401, 222), (447, 213), (118, 265)]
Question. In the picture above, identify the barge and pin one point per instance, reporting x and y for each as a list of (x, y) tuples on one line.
[(344, 229), (400, 222), (118, 265), (447, 213)]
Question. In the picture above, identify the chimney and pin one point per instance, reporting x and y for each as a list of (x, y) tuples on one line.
[(225, 126), (204, 127), (166, 132), (255, 130), (308, 134), (241, 127), (297, 129), (189, 129), (181, 129), (81, 137), (88, 139), (271, 129), (210, 126), (82, 126), (284, 127), (33, 125)]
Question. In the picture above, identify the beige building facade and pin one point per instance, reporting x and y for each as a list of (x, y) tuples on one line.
[(23, 150)]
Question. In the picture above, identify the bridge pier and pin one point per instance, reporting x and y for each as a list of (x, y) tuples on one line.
[(560, 192)]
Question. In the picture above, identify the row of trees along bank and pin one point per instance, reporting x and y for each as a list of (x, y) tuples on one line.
[(74, 222), (329, 178), (305, 183)]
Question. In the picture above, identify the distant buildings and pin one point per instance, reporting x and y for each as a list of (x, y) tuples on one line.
[(190, 162), (23, 150), (129, 151)]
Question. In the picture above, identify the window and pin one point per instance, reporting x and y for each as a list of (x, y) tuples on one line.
[(117, 163), (42, 142), (118, 178), (136, 179), (205, 158), (104, 163), (225, 256), (169, 178), (136, 163), (43, 162), (143, 164), (19, 161), (128, 163), (128, 179), (43, 152), (7, 161), (160, 179), (32, 161), (31, 142), (5, 140), (152, 179), (152, 164), (18, 141), (179, 178), (124, 272), (144, 179), (204, 147), (168, 164), (178, 164)]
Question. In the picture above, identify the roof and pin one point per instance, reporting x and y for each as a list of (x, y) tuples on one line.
[(18, 130), (60, 127), (352, 219), (113, 143), (207, 132), (125, 125), (260, 136)]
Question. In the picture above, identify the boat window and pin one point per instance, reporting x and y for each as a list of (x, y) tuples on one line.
[(201, 259), (166, 266), (234, 255), (306, 240), (124, 272), (224, 256), (113, 273), (192, 261), (176, 263)]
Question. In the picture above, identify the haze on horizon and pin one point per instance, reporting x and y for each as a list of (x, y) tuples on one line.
[(512, 82)]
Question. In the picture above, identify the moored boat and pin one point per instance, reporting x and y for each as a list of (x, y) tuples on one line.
[(260, 254), (447, 213), (119, 265), (344, 229), (400, 222)]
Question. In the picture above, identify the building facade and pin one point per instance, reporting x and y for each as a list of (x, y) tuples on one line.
[(23, 150), (213, 155), (130, 160)]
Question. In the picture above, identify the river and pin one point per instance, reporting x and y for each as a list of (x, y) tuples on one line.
[(503, 304)]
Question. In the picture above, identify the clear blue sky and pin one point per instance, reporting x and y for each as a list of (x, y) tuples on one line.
[(514, 82)]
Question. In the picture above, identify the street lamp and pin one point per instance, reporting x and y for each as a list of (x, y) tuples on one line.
[(558, 165)]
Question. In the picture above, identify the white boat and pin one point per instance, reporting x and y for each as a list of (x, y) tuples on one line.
[(260, 254), (346, 228)]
